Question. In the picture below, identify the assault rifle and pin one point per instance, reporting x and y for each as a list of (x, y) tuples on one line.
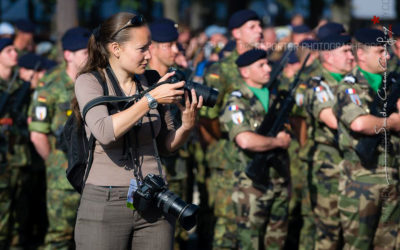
[(366, 147), (258, 169)]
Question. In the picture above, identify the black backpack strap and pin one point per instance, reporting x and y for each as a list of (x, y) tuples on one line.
[(92, 139)]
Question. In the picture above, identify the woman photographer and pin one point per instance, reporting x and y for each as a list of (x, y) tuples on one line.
[(119, 51)]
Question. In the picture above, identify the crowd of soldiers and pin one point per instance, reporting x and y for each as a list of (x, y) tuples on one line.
[(329, 177)]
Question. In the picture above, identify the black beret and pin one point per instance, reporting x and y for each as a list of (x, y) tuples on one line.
[(333, 42), (4, 42), (250, 57), (293, 58), (309, 44), (164, 30), (241, 17), (299, 29), (25, 25), (33, 61), (75, 39), (370, 37), (330, 29), (396, 30)]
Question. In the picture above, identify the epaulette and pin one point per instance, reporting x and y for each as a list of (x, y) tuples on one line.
[(237, 93), (351, 79), (315, 81)]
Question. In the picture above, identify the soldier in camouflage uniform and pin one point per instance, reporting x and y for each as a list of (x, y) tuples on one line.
[(224, 76), (50, 109), (14, 138), (369, 198), (336, 60), (164, 50), (261, 215)]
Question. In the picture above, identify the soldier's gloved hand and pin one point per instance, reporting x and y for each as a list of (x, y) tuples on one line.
[(284, 139)]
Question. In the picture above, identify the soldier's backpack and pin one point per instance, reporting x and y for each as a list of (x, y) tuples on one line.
[(79, 148)]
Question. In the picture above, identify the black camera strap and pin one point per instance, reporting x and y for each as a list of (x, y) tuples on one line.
[(133, 152)]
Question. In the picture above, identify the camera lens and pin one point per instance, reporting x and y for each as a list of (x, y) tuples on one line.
[(209, 95), (171, 204)]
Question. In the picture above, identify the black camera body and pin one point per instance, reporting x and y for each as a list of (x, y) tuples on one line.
[(153, 192), (209, 95)]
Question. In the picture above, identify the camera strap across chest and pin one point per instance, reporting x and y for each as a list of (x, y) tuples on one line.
[(130, 150)]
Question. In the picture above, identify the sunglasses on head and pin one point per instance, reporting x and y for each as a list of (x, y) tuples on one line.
[(136, 21)]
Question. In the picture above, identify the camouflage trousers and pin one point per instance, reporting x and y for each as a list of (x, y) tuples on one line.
[(5, 207), (325, 179), (62, 206), (225, 230), (262, 217), (176, 170), (369, 206), (308, 230)]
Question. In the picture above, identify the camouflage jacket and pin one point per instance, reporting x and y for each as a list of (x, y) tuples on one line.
[(321, 95), (14, 134), (355, 98), (224, 76), (243, 112), (50, 108)]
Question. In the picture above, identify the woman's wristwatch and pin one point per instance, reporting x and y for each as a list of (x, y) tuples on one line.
[(151, 101)]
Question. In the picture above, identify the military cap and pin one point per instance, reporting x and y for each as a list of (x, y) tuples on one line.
[(241, 17), (75, 39), (33, 61), (214, 29), (293, 58), (330, 28), (370, 37), (333, 42), (250, 57), (300, 29), (25, 25), (4, 42), (6, 29), (309, 44), (396, 30), (164, 30)]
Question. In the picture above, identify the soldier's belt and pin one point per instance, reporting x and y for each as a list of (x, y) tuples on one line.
[(6, 121)]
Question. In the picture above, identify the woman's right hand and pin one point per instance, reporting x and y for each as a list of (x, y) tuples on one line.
[(169, 92)]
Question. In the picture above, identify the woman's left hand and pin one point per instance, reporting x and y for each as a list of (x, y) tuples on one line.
[(189, 111)]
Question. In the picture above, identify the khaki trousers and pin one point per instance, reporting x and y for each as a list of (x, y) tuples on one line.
[(104, 222)]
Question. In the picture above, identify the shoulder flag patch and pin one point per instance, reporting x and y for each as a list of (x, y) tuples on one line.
[(237, 117), (233, 108), (299, 99), (41, 99), (40, 113), (214, 76), (321, 94), (354, 96)]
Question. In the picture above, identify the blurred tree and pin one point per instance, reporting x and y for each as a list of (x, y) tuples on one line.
[(171, 9)]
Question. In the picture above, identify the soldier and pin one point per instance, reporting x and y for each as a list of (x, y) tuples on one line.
[(369, 198), (224, 75), (164, 35), (14, 137), (336, 60), (23, 40), (30, 187), (300, 33), (258, 212), (50, 109)]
